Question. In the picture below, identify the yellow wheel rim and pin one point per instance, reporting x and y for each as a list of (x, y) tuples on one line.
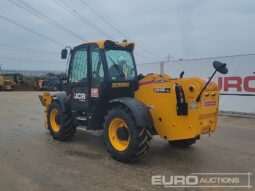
[(54, 124), (118, 144)]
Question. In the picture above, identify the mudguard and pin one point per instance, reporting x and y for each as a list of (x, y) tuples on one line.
[(47, 99), (139, 110), (61, 97)]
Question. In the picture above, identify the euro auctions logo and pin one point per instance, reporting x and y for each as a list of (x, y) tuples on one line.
[(175, 181), (210, 180)]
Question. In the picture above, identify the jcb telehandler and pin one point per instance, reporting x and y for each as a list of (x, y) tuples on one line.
[(103, 91)]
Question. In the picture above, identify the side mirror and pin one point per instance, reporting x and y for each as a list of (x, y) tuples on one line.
[(64, 54), (220, 67)]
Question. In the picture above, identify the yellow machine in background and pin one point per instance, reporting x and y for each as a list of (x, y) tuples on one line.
[(38, 85), (6, 84), (103, 91), (1, 83)]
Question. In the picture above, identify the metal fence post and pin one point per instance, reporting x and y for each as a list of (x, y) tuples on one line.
[(162, 67)]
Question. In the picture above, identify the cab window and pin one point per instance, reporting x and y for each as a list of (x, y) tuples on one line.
[(97, 67), (120, 65), (78, 69)]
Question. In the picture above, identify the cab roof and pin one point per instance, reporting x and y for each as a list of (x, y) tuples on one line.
[(102, 44)]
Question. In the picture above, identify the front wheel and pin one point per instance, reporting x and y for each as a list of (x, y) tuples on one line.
[(123, 138), (60, 123)]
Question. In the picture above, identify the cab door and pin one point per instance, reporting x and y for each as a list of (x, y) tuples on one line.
[(78, 79), (97, 73)]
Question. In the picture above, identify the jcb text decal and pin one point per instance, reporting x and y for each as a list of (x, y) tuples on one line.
[(80, 96)]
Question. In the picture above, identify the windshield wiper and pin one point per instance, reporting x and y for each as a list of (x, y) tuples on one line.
[(117, 67)]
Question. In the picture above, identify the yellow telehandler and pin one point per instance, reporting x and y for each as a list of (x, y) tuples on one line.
[(104, 91)]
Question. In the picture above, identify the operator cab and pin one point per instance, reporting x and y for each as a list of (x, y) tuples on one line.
[(98, 72)]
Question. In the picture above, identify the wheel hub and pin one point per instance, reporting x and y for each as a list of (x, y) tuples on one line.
[(57, 119), (118, 134), (122, 133)]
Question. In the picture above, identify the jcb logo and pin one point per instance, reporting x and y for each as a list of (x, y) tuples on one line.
[(79, 96)]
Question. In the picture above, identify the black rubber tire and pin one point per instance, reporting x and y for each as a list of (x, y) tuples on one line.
[(67, 128), (183, 143), (139, 136)]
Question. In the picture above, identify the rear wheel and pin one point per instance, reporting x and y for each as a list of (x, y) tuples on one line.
[(60, 123), (123, 138), (183, 143)]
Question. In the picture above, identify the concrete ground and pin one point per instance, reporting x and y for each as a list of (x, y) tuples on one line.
[(31, 160)]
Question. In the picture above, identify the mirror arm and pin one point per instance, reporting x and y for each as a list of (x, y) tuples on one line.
[(210, 79), (69, 47)]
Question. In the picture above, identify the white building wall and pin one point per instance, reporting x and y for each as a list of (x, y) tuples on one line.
[(237, 87)]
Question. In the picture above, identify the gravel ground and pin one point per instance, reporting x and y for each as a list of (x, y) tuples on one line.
[(31, 160)]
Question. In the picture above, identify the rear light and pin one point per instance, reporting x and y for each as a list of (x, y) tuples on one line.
[(182, 106), (181, 94)]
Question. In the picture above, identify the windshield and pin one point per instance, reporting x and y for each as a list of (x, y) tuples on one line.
[(120, 65)]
